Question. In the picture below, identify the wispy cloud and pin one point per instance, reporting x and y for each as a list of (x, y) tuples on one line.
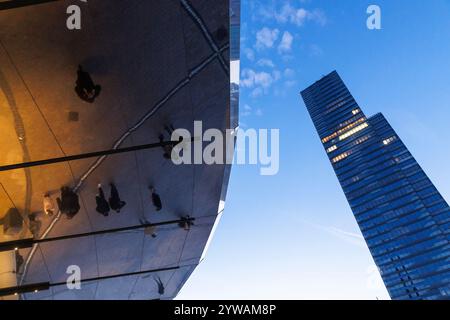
[(247, 110), (350, 237), (290, 83), (249, 53), (289, 73), (251, 78), (266, 37), (315, 50), (259, 81), (318, 16), (286, 42), (257, 92), (265, 63), (276, 75), (294, 15), (290, 14)]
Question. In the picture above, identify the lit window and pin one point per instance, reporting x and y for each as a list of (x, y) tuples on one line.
[(341, 156), (355, 111), (353, 131), (331, 149), (335, 134), (331, 136), (362, 139), (389, 140)]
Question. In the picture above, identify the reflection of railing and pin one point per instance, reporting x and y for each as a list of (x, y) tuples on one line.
[(87, 155), (12, 4), (29, 242), (35, 287)]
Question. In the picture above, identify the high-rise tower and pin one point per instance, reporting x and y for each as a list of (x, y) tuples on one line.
[(402, 216)]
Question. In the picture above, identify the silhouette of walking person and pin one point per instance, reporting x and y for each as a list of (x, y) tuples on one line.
[(85, 87), (114, 199), (156, 200), (167, 148), (186, 223), (160, 284), (34, 224), (169, 129), (68, 203), (102, 204)]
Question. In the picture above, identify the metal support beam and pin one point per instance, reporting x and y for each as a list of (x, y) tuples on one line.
[(34, 287), (41, 286), (119, 275), (87, 155), (13, 4), (29, 242)]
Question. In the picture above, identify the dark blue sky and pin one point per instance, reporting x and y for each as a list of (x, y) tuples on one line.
[(293, 235)]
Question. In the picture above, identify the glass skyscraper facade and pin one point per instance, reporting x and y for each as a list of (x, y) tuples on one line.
[(402, 216), (235, 29)]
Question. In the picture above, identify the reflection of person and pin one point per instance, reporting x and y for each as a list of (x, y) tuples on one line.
[(68, 203), (34, 224), (102, 204), (186, 223), (114, 199), (160, 285), (167, 148), (49, 208), (169, 129), (19, 260), (149, 230), (156, 199), (85, 87)]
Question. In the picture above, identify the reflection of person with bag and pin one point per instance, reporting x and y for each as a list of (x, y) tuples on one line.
[(115, 202), (68, 203), (85, 87), (34, 224), (156, 200), (102, 204)]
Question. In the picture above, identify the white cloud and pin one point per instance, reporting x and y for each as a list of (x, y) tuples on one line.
[(291, 14), (276, 75), (318, 16), (251, 78), (290, 83), (265, 63), (289, 73), (294, 15), (257, 92), (249, 53), (286, 42), (265, 38), (259, 82), (246, 111)]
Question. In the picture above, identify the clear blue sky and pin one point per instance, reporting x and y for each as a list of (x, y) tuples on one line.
[(293, 235)]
